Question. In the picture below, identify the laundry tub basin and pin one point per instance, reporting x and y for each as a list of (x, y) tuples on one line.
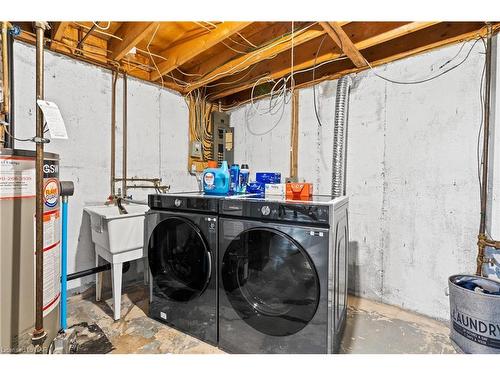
[(117, 232), (118, 238)]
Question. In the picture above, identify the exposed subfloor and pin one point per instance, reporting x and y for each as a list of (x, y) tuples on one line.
[(371, 327)]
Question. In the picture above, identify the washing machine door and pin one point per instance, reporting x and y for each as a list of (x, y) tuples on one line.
[(270, 281), (179, 259)]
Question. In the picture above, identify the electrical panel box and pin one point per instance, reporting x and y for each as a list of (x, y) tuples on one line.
[(223, 138)]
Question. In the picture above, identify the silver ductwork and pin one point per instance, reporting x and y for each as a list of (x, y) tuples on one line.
[(339, 136)]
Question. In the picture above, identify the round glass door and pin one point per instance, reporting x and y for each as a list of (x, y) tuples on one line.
[(179, 259), (270, 281)]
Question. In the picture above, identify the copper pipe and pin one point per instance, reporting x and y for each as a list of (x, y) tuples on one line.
[(124, 139), (294, 139), (10, 117), (113, 132), (5, 83), (5, 67), (139, 179), (482, 238), (39, 334)]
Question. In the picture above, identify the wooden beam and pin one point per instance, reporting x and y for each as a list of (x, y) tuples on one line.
[(131, 33), (58, 29), (178, 55), (338, 35), (278, 67), (243, 62), (57, 33), (393, 34), (440, 35), (285, 68), (259, 33)]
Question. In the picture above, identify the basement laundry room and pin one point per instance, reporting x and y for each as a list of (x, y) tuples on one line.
[(211, 184)]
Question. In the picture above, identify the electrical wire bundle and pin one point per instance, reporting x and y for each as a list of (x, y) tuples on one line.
[(200, 124)]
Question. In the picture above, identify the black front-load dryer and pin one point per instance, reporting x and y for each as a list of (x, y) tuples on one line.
[(181, 243)]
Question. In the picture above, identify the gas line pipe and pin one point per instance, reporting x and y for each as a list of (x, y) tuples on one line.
[(482, 239), (39, 334)]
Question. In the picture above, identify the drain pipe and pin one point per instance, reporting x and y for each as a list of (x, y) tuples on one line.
[(124, 139), (113, 134), (339, 130), (39, 334)]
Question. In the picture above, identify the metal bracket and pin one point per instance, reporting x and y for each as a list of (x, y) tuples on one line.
[(40, 140), (42, 25)]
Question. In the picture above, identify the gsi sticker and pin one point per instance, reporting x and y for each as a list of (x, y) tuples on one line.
[(51, 193)]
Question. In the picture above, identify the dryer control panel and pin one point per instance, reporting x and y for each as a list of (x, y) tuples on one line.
[(281, 211)]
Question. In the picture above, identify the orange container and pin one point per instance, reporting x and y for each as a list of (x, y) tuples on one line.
[(301, 191)]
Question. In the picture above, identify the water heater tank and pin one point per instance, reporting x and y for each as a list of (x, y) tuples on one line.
[(17, 248)]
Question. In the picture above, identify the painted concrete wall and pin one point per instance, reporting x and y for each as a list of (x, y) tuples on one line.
[(157, 137), (411, 178), (262, 140)]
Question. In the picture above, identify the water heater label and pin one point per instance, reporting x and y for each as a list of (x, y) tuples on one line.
[(17, 177), (51, 260), (51, 192)]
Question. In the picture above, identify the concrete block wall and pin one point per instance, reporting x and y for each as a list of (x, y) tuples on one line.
[(411, 173), (157, 137)]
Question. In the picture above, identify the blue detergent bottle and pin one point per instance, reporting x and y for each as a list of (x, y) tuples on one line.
[(216, 180), (234, 183), (244, 178)]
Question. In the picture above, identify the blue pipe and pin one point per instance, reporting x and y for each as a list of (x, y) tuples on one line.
[(64, 256)]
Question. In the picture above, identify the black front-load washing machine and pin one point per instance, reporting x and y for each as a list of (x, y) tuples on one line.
[(181, 234)]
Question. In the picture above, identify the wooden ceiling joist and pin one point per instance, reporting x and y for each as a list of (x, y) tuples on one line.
[(338, 35), (178, 55), (229, 59), (441, 34), (243, 62), (130, 33), (258, 33), (327, 55), (397, 32), (57, 32), (58, 29)]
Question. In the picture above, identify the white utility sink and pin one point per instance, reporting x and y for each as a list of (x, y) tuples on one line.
[(118, 238), (117, 232)]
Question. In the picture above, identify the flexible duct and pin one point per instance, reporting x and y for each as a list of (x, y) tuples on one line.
[(339, 131)]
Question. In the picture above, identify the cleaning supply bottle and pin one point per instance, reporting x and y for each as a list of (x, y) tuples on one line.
[(244, 177), (216, 180), (234, 184)]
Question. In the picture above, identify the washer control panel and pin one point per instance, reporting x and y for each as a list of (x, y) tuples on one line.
[(188, 202)]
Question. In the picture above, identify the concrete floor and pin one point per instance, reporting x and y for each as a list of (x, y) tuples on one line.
[(371, 327)]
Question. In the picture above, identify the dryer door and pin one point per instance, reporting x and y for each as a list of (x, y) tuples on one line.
[(179, 259), (270, 281)]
